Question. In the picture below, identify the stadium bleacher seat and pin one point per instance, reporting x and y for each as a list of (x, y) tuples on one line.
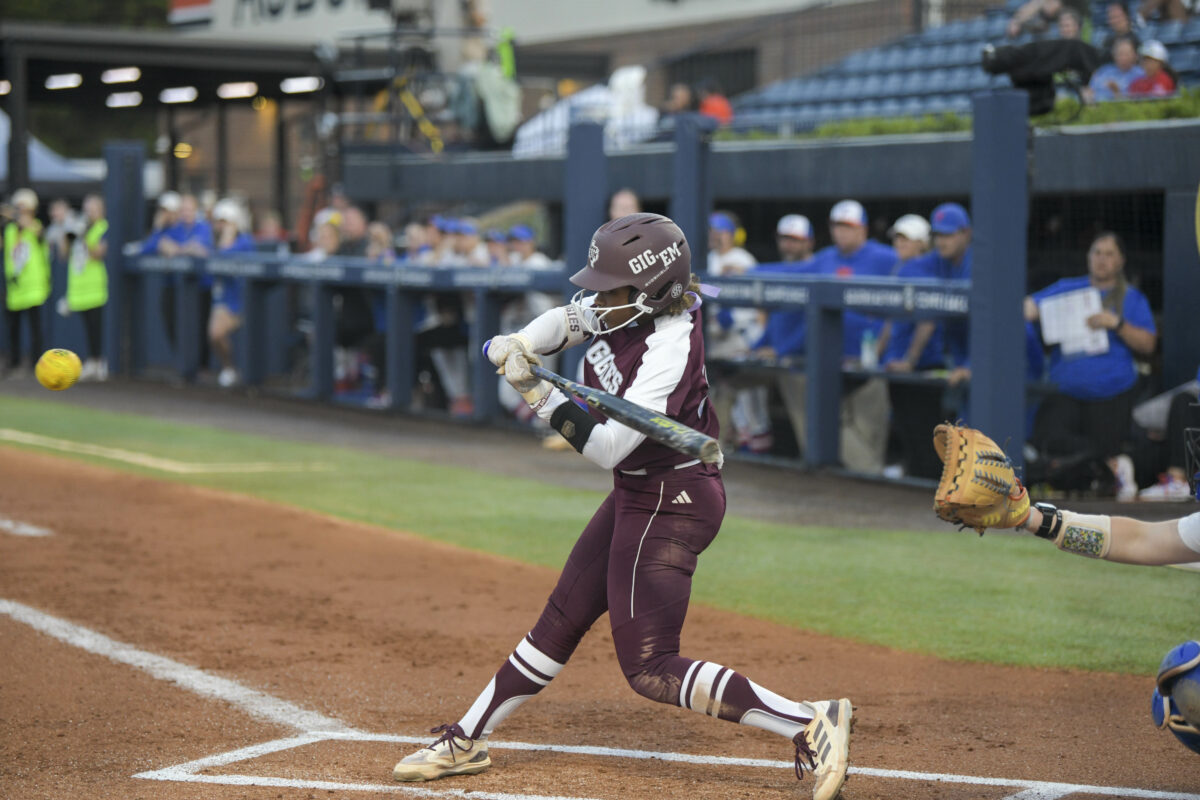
[(933, 71)]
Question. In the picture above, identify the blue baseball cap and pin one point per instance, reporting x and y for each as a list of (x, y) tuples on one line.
[(466, 227), (494, 235), (949, 218), (443, 224), (521, 233), (721, 222)]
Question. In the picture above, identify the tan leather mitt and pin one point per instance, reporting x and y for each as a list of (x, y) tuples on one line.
[(978, 488)]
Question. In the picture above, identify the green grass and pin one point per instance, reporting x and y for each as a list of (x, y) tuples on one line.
[(1000, 599)]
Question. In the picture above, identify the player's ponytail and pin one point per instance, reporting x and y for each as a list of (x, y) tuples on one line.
[(687, 299)]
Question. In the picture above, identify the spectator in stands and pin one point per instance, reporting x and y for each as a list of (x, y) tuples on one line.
[(865, 405), (497, 246), (354, 233), (1167, 9), (1120, 24), (62, 219), (87, 285), (951, 228), (1158, 80), (680, 100), (1111, 81), (415, 243), (271, 235), (1070, 24), (468, 249), (732, 332), (231, 235), (1090, 417), (380, 247), (523, 249), (1035, 17), (191, 235), (26, 275), (326, 243), (910, 345), (436, 241), (713, 103), (783, 339), (623, 203), (784, 335), (852, 253), (166, 214)]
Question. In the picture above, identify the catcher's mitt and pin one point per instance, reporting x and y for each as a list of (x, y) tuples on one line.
[(978, 488)]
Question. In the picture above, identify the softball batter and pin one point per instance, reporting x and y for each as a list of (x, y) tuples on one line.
[(635, 559)]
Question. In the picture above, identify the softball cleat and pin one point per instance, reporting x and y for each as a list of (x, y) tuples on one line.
[(824, 747), (440, 759)]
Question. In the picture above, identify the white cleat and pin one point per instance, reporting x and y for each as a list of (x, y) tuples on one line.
[(451, 754), (824, 747)]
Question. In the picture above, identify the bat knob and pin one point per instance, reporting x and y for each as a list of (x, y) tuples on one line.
[(710, 453)]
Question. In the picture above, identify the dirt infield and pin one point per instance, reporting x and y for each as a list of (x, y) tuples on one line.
[(391, 634)]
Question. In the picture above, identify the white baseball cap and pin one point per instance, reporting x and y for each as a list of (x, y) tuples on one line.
[(849, 212), (169, 201), (1152, 48), (26, 199), (795, 225), (913, 227)]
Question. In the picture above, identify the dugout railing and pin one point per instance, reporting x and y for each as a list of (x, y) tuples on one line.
[(998, 172)]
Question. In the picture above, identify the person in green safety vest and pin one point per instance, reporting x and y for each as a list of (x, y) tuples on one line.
[(87, 284), (26, 275)]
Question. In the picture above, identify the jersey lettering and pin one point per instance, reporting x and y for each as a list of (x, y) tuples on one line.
[(600, 356)]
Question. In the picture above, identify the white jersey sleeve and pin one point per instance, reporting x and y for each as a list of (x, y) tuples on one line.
[(660, 371), (557, 329), (1189, 531)]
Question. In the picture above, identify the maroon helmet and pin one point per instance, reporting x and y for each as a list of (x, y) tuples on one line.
[(645, 251)]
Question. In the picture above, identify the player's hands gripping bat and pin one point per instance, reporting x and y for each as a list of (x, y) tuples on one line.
[(499, 348), (654, 425), (978, 488)]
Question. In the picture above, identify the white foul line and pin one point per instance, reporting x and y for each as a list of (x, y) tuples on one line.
[(255, 703), (318, 728), (149, 461), (17, 528)]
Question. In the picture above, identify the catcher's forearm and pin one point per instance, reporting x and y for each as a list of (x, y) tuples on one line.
[(1083, 534)]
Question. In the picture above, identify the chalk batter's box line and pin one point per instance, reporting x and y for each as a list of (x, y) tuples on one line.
[(189, 772)]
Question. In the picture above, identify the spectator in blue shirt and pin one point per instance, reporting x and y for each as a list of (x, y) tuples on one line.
[(951, 260), (1092, 411), (784, 334), (1111, 81), (865, 402), (852, 253), (226, 317), (907, 345)]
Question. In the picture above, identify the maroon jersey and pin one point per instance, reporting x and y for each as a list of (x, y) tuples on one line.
[(658, 364)]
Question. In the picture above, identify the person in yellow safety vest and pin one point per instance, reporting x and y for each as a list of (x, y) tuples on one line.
[(26, 275), (87, 284)]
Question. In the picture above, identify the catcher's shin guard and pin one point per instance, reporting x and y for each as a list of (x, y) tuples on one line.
[(824, 747), (439, 760)]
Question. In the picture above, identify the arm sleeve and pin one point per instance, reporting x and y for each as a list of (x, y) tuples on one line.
[(556, 329), (1189, 531)]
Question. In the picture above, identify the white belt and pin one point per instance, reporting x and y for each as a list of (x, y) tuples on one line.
[(642, 471)]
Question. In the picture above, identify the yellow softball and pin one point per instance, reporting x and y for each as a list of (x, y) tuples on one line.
[(58, 369)]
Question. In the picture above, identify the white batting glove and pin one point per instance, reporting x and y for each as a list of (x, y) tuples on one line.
[(499, 348), (520, 377)]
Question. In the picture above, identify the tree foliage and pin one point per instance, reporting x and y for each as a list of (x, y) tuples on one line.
[(114, 13)]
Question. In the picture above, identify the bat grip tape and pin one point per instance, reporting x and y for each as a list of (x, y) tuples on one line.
[(574, 423)]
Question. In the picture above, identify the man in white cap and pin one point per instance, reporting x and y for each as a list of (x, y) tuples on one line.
[(865, 408), (908, 345)]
